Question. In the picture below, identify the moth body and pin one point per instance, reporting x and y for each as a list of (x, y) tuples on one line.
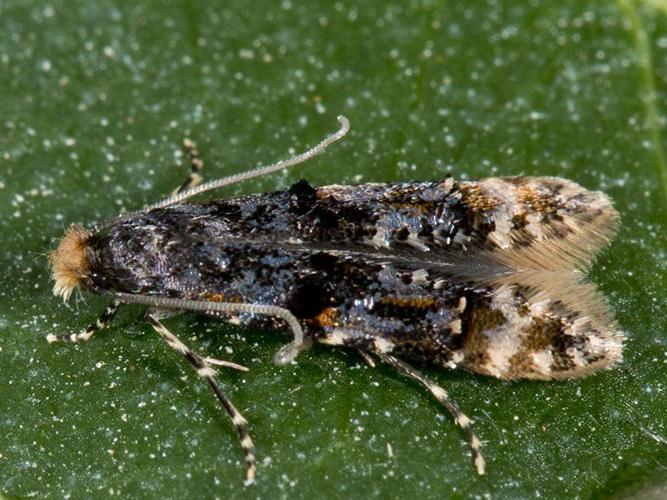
[(485, 276), (481, 275)]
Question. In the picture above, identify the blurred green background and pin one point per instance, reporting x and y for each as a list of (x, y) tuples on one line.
[(95, 99)]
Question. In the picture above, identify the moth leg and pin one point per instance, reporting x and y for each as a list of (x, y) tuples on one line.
[(366, 345), (170, 313), (285, 354), (196, 166), (203, 368), (102, 322), (441, 395), (367, 357), (226, 364)]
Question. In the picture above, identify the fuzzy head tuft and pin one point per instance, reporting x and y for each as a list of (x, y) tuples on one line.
[(69, 263)]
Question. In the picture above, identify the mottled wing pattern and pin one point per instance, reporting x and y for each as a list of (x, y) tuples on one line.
[(485, 275)]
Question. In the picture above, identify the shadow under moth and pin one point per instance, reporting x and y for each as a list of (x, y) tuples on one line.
[(485, 276)]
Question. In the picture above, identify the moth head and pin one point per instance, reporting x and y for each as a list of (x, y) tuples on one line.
[(69, 262)]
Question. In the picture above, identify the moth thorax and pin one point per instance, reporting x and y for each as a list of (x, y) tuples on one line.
[(69, 263)]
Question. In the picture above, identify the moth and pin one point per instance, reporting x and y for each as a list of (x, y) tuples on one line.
[(485, 276)]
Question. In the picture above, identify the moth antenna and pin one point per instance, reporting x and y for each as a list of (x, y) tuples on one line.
[(258, 172), (284, 355)]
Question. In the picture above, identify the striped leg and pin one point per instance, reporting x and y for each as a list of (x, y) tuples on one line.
[(227, 364), (170, 313), (203, 368), (441, 395), (366, 357), (101, 323), (285, 354), (366, 345), (196, 166)]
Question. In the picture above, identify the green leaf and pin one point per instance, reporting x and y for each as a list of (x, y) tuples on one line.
[(95, 99)]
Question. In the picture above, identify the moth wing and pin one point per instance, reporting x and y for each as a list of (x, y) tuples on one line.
[(546, 233)]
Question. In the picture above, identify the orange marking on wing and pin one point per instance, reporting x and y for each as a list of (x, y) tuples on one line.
[(328, 317)]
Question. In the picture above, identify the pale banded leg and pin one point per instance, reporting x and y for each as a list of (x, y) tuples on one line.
[(196, 166), (203, 368), (170, 313), (101, 323), (367, 358), (227, 364), (285, 354), (441, 395)]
